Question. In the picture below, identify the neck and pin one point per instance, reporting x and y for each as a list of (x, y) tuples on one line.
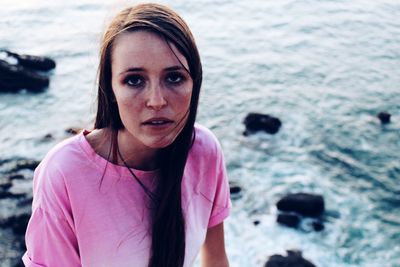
[(133, 153)]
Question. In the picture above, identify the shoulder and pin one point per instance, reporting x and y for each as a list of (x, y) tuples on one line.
[(64, 152), (206, 153), (49, 188), (205, 141), (62, 160)]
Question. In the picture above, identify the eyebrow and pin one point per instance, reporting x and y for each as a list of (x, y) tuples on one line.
[(172, 68)]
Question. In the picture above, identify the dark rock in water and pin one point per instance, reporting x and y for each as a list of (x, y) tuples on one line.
[(305, 204), (19, 263), (25, 164), (318, 226), (25, 202), (20, 224), (15, 176), (384, 117), (17, 223), (3, 161), (235, 189), (255, 122), (6, 186), (48, 137), (290, 220), (33, 62), (9, 195), (15, 77), (73, 130), (293, 259)]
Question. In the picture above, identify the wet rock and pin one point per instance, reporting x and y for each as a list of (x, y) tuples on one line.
[(235, 189), (384, 117), (19, 72), (4, 161), (15, 176), (14, 78), (255, 122), (33, 62), (290, 220), (25, 202), (318, 226), (73, 130), (5, 186), (310, 205), (18, 223), (293, 259), (46, 138), (9, 195), (25, 164), (19, 263)]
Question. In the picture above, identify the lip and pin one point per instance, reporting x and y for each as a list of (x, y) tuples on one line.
[(157, 121)]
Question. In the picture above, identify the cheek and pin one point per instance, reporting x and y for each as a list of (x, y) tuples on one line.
[(183, 101), (187, 96), (129, 106)]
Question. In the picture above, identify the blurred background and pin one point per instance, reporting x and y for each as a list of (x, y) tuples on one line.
[(324, 68)]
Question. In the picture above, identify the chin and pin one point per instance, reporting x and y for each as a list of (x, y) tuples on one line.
[(159, 144)]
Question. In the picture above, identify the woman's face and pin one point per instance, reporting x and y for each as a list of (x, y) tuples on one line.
[(151, 87)]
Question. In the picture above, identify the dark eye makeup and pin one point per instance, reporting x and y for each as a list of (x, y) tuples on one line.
[(134, 80), (171, 79), (175, 78)]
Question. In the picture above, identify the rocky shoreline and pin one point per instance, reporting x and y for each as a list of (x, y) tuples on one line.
[(27, 72)]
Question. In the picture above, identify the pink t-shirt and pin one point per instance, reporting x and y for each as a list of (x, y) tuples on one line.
[(78, 221)]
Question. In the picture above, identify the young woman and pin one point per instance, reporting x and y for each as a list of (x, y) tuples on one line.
[(146, 187)]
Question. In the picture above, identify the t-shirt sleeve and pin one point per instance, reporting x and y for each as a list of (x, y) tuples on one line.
[(50, 241), (221, 202), (50, 237)]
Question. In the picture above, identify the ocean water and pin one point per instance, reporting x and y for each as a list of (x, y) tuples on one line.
[(325, 68)]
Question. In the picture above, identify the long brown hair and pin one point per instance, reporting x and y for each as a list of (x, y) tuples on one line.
[(168, 224)]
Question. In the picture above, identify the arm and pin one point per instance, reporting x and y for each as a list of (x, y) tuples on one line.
[(213, 250), (50, 242), (50, 237)]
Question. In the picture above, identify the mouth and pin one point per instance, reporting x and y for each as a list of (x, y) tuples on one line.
[(157, 122)]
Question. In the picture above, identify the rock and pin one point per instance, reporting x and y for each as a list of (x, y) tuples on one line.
[(33, 62), (14, 78), (73, 130), (25, 202), (293, 259), (3, 161), (19, 263), (290, 220), (9, 195), (48, 137), (16, 176), (5, 186), (235, 189), (20, 224), (310, 205), (318, 226), (17, 223), (384, 117), (25, 164), (256, 222), (255, 122)]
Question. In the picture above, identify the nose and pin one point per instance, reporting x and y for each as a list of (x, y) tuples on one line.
[(156, 99)]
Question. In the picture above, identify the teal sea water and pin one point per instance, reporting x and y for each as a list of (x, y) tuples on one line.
[(325, 68)]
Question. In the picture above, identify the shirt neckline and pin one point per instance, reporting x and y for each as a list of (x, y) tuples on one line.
[(111, 167)]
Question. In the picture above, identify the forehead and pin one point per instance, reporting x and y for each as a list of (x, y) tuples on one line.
[(145, 49)]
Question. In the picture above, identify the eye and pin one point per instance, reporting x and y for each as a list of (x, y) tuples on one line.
[(175, 78), (134, 80)]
